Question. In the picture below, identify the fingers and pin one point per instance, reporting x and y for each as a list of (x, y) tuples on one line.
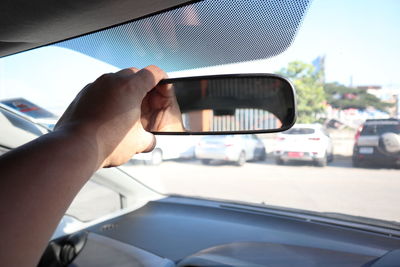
[(166, 90), (127, 72), (147, 78)]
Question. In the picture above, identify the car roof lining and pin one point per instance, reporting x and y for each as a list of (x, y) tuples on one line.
[(29, 24)]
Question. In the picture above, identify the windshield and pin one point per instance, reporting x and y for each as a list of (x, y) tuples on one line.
[(380, 129), (342, 57), (300, 131)]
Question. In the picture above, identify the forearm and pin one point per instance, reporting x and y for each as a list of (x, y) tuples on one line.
[(39, 181)]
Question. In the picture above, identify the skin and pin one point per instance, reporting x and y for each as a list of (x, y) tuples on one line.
[(156, 109), (106, 124)]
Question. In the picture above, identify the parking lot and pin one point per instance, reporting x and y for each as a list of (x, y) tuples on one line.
[(369, 192)]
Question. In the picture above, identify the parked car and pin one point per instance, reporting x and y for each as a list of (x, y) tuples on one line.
[(304, 142), (17, 129), (369, 147), (27, 109), (230, 148)]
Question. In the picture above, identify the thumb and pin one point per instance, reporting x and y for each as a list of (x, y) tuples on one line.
[(148, 141)]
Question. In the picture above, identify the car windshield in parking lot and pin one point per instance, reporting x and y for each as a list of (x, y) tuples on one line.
[(380, 129), (341, 56), (300, 131)]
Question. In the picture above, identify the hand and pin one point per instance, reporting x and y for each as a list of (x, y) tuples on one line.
[(101, 127), (160, 110), (107, 114)]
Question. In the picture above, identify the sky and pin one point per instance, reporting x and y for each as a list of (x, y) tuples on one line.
[(360, 41), (359, 38)]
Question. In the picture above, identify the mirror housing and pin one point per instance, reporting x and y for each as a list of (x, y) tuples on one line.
[(232, 104)]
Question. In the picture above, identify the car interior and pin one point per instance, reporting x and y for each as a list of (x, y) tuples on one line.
[(156, 229)]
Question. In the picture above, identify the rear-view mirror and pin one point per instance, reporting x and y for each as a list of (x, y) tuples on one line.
[(222, 104)]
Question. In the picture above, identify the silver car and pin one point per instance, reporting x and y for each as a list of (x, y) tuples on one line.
[(230, 148), (369, 147)]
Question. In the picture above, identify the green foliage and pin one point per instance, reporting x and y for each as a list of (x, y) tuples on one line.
[(309, 89), (343, 97)]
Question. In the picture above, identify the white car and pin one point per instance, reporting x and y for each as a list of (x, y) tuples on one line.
[(231, 148), (170, 147), (304, 142)]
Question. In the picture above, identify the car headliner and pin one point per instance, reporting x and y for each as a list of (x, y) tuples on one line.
[(26, 24)]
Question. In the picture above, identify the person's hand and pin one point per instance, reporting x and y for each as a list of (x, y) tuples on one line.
[(160, 110), (107, 114)]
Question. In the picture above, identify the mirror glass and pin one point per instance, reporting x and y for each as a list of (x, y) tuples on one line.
[(227, 104)]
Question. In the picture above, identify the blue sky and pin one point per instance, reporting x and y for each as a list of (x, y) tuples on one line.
[(360, 40)]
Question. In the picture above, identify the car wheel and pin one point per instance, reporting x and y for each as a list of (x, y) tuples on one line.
[(205, 161), (241, 159), (262, 156), (355, 162), (330, 158), (279, 161), (322, 162), (156, 157)]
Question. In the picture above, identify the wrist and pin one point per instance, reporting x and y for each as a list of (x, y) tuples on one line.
[(83, 142)]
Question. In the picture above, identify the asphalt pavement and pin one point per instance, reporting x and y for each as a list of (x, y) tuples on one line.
[(338, 187)]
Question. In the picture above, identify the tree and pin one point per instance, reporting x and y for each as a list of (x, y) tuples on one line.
[(343, 97), (309, 90)]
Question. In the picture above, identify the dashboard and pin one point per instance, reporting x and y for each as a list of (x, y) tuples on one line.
[(178, 231)]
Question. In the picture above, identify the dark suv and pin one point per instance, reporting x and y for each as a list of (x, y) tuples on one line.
[(368, 146)]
